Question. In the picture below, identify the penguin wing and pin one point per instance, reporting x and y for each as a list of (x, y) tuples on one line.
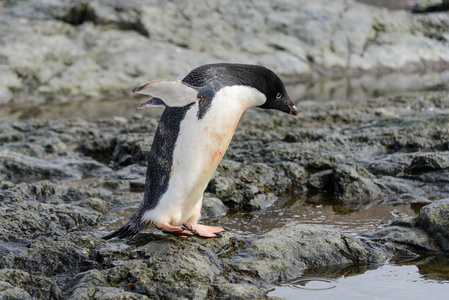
[(165, 92), (153, 101)]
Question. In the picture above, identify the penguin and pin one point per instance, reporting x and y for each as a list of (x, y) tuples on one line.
[(199, 120)]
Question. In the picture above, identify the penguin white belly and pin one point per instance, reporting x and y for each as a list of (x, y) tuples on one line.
[(200, 146)]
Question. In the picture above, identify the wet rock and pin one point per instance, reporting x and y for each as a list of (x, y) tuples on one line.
[(105, 293), (434, 219), (212, 207), (429, 6), (8, 134), (403, 241), (17, 284), (51, 256), (116, 185), (154, 271), (354, 182), (425, 163), (94, 203), (251, 185), (350, 183), (18, 166), (320, 181), (283, 253), (426, 233), (227, 290), (47, 207)]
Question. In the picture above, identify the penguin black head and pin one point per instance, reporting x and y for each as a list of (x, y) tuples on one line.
[(259, 77), (276, 94)]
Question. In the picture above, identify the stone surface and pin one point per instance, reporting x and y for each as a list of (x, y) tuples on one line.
[(284, 253)]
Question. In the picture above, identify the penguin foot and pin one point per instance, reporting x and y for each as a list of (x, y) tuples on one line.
[(203, 230), (175, 230)]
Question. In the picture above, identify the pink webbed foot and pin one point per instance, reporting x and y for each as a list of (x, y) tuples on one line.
[(203, 230), (174, 230)]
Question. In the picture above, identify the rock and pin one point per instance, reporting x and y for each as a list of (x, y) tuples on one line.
[(403, 241), (94, 203), (426, 233), (251, 185), (154, 271), (48, 207), (105, 293), (354, 182), (320, 181), (421, 164), (350, 183), (434, 219), (285, 252), (428, 6), (242, 291), (16, 165), (17, 284), (212, 207)]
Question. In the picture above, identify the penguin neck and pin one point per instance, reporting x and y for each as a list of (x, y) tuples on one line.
[(245, 96)]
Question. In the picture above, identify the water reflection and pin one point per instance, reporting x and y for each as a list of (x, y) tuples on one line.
[(400, 280), (351, 219), (432, 267)]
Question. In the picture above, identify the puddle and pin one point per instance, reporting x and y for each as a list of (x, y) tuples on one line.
[(395, 281), (353, 220), (310, 284)]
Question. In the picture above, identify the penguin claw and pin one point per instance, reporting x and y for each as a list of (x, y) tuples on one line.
[(174, 230), (204, 230)]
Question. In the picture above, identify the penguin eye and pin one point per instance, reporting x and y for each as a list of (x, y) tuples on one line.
[(278, 96)]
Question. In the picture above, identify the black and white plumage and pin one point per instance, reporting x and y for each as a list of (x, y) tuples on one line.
[(201, 114)]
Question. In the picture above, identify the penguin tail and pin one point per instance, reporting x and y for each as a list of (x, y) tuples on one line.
[(130, 229), (121, 233)]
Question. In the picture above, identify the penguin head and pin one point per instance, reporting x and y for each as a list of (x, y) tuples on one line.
[(276, 94), (258, 77)]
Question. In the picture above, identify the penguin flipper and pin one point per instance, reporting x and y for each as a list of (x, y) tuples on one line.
[(173, 93), (153, 102)]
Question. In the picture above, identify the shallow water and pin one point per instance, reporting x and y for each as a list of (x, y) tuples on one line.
[(395, 281), (353, 220)]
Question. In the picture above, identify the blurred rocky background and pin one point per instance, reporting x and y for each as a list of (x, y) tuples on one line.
[(60, 50)]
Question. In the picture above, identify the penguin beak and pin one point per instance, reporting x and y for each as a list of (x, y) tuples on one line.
[(286, 105), (293, 109), (283, 104)]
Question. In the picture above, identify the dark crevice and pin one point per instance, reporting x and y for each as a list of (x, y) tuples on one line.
[(83, 12), (79, 14)]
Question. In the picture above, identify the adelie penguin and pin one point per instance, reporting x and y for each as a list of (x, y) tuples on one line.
[(200, 117)]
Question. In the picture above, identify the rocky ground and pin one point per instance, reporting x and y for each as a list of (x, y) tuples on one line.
[(64, 184)]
